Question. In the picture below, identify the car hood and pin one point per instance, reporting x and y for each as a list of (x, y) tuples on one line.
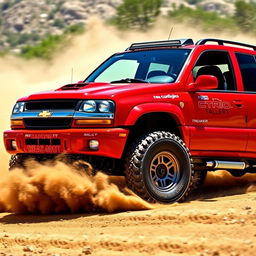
[(100, 91)]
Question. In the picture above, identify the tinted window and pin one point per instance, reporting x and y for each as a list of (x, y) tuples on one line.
[(247, 64), (154, 66), (216, 63)]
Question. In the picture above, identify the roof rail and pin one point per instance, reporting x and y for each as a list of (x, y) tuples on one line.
[(222, 42), (166, 43)]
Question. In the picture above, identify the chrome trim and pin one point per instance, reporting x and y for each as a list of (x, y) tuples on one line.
[(226, 165), (35, 114), (85, 115), (63, 114)]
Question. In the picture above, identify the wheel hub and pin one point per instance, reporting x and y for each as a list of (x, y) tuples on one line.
[(164, 171), (161, 171)]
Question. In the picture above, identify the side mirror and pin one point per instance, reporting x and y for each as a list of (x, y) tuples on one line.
[(204, 82), (80, 82)]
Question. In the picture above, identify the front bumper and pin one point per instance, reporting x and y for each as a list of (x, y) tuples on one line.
[(71, 141)]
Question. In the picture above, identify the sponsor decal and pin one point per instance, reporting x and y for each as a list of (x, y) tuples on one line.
[(215, 106), (49, 149), (199, 121), (90, 134), (182, 104), (203, 97), (168, 96), (41, 136)]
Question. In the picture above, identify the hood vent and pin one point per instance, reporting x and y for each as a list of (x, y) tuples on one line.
[(72, 86)]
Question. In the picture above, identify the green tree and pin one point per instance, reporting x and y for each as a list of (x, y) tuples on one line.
[(137, 13), (208, 21), (245, 16)]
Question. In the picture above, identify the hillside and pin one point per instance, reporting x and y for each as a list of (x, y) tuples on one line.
[(26, 22)]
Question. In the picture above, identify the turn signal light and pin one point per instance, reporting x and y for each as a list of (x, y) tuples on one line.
[(93, 122), (15, 123)]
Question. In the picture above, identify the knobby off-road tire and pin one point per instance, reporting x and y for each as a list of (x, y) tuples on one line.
[(159, 168), (17, 161)]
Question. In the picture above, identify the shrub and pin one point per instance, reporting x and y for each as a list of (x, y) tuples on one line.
[(137, 13)]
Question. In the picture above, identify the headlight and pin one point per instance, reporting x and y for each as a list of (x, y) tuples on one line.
[(88, 106), (18, 107), (104, 106), (98, 106)]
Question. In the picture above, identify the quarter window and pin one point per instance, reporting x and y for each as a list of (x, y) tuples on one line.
[(247, 64)]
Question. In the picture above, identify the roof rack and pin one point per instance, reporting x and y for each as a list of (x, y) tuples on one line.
[(166, 43), (222, 42)]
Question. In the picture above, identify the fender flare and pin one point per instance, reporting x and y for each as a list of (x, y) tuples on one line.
[(142, 109)]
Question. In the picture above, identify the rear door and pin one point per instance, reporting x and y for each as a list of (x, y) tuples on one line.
[(247, 65), (219, 116)]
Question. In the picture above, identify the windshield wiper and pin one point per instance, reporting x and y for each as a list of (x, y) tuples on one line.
[(129, 80)]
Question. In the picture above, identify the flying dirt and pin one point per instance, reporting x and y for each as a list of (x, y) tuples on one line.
[(55, 209), (56, 187)]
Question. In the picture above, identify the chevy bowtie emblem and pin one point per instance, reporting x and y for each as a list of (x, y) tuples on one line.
[(45, 113)]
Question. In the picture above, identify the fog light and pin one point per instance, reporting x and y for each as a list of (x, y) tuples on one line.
[(94, 145), (13, 144)]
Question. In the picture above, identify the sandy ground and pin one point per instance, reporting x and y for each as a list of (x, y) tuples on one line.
[(219, 220)]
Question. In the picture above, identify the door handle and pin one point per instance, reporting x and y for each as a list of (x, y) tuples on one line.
[(238, 103)]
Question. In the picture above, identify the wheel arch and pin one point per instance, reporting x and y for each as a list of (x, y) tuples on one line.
[(138, 111), (151, 117)]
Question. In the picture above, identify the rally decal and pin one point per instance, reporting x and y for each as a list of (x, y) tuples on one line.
[(215, 106)]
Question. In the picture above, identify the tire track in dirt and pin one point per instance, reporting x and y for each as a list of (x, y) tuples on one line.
[(222, 227), (124, 244)]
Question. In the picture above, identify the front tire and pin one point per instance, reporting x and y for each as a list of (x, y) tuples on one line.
[(160, 169), (17, 161)]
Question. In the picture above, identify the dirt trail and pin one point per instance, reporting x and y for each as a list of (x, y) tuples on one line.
[(211, 224)]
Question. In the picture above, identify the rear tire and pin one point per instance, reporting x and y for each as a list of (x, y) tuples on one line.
[(160, 169)]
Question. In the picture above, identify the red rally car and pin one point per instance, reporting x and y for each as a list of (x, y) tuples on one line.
[(162, 113)]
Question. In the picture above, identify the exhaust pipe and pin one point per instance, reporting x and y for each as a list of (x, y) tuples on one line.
[(225, 165)]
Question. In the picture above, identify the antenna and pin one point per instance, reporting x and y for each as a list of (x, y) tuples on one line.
[(71, 75), (170, 33)]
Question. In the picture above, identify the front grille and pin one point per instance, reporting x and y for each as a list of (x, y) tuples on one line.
[(47, 123), (52, 104), (54, 142)]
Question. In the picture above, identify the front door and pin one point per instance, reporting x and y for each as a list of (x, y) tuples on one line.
[(219, 116)]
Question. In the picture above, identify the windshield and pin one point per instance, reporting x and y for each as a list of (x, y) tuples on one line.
[(153, 66)]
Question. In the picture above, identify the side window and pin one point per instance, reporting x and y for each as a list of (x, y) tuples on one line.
[(247, 64), (218, 64)]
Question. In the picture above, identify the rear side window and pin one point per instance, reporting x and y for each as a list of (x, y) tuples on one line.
[(247, 64)]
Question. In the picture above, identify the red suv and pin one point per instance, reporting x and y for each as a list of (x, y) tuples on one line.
[(162, 113)]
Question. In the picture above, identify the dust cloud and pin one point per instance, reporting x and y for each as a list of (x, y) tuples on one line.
[(57, 187), (44, 188), (224, 182)]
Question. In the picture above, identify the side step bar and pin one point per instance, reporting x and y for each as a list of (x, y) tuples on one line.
[(225, 165)]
